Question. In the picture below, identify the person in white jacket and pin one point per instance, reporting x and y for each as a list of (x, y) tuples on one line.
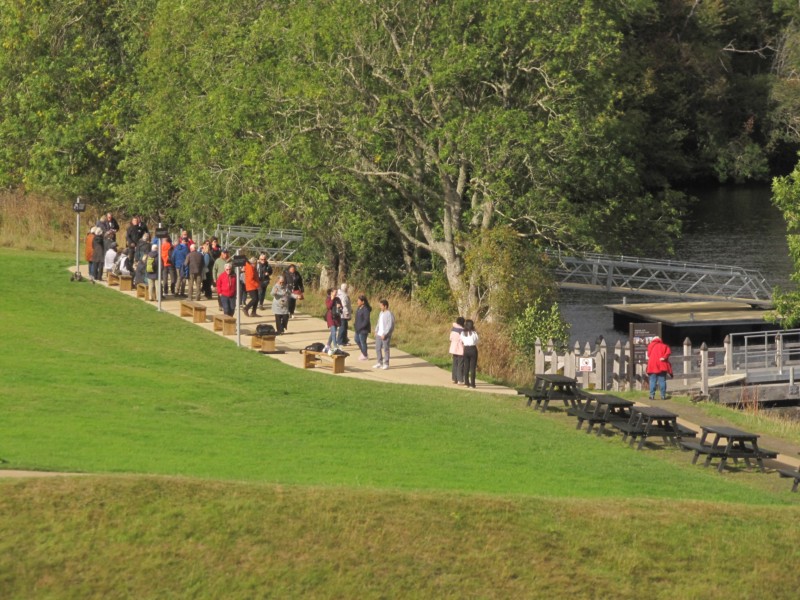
[(469, 337), (383, 335)]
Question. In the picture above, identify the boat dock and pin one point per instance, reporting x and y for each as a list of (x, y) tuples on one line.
[(706, 322)]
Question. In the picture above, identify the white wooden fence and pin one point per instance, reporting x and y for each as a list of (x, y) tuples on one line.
[(601, 369)]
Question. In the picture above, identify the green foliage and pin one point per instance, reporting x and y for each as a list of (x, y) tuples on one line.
[(786, 196), (394, 133), (541, 322), (436, 295), (508, 270)]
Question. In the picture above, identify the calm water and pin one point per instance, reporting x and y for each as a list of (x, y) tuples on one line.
[(728, 226)]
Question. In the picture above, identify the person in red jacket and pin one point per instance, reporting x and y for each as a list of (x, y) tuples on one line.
[(251, 287), (658, 366), (226, 288)]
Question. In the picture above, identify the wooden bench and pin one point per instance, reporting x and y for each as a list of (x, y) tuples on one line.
[(224, 323), (264, 342), (142, 291), (793, 473), (193, 309), (313, 359), (125, 283), (113, 279), (723, 453)]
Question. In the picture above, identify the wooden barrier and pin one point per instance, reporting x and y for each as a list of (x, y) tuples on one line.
[(263, 343), (225, 324), (313, 359), (193, 309)]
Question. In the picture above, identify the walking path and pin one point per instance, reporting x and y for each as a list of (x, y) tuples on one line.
[(305, 329)]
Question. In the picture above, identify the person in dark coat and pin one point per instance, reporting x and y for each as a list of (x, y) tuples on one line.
[(362, 325), (294, 281), (98, 253)]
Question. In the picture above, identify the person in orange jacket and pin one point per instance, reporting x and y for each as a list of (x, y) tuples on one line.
[(251, 287), (89, 254), (167, 267), (658, 366)]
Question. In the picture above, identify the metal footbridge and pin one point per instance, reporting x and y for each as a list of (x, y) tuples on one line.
[(684, 280), (279, 245)]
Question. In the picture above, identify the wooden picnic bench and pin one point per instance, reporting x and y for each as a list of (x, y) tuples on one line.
[(792, 473), (313, 359), (600, 409), (652, 421), (739, 444), (549, 387), (125, 283), (193, 309), (113, 279), (264, 342), (225, 324)]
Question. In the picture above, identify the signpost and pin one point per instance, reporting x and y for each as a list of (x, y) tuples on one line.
[(639, 336), (78, 207)]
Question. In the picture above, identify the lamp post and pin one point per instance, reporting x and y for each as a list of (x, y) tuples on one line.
[(238, 263), (161, 233), (78, 207)]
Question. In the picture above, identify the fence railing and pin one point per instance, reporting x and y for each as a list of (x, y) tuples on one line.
[(614, 369)]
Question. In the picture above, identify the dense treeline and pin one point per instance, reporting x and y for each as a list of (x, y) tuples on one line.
[(466, 135)]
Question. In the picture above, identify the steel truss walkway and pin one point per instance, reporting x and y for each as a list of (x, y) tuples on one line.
[(278, 244), (631, 275)]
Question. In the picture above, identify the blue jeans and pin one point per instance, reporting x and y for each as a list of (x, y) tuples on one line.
[(342, 338), (361, 341), (228, 304), (660, 380), (332, 338)]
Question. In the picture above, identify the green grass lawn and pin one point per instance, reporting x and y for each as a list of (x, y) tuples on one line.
[(311, 484)]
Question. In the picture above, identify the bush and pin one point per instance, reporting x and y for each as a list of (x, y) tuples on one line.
[(436, 296), (538, 321)]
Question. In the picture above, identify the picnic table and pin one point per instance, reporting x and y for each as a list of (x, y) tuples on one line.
[(728, 442), (600, 409), (652, 421), (793, 474), (549, 387)]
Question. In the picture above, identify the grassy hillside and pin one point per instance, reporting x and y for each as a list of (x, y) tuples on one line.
[(285, 483)]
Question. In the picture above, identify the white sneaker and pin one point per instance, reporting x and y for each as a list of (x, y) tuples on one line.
[(385, 366), (377, 366), (363, 357), (330, 351), (326, 349)]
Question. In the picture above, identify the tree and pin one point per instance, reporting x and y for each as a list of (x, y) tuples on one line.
[(65, 91), (460, 116)]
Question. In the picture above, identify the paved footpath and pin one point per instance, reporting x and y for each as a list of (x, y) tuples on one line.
[(305, 329)]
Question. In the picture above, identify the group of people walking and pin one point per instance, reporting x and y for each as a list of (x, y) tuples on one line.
[(187, 271)]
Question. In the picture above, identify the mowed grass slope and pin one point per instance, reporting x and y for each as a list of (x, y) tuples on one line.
[(112, 537), (98, 382), (298, 484)]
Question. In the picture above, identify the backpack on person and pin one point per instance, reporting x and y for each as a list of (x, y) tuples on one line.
[(336, 309), (151, 264)]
